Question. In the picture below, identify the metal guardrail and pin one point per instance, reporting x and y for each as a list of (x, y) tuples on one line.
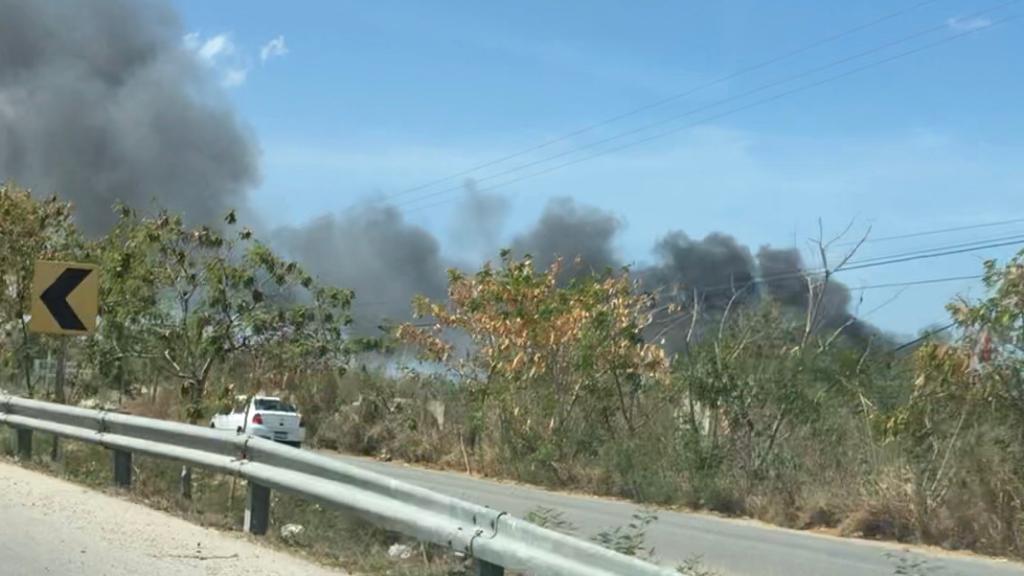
[(494, 539)]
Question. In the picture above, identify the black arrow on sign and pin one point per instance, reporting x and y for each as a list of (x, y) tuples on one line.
[(55, 298)]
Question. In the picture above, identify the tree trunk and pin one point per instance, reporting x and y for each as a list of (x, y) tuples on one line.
[(195, 396)]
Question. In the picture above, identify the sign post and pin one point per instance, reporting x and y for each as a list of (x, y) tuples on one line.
[(65, 302), (65, 298)]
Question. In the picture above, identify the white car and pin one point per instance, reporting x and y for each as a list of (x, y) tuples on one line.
[(264, 417)]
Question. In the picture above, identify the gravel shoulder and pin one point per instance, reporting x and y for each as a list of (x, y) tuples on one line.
[(50, 526)]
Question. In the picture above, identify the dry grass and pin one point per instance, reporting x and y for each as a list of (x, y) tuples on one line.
[(165, 405), (850, 484)]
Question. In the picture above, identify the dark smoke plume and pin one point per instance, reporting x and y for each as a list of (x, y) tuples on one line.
[(572, 233), (715, 266), (478, 222), (785, 281), (100, 103), (372, 250), (714, 270), (782, 270)]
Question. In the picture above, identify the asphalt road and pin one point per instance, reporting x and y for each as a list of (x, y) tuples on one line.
[(732, 547), (49, 526)]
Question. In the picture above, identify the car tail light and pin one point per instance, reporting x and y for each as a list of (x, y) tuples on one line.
[(257, 418)]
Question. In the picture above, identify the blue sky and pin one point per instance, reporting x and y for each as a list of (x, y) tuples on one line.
[(362, 99)]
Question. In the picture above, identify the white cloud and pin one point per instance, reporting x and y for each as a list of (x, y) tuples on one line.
[(235, 77), (216, 47), (275, 47), (210, 50), (968, 24), (219, 54)]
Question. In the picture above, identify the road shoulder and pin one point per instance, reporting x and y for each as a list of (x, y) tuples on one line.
[(51, 526)]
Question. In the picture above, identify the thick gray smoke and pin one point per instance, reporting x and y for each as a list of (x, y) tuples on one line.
[(572, 233), (715, 270), (783, 272), (717, 267), (372, 250), (100, 103), (477, 226)]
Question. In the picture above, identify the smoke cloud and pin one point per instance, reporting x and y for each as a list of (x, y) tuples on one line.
[(373, 251), (715, 266), (782, 271), (99, 103), (479, 219), (785, 281), (571, 232)]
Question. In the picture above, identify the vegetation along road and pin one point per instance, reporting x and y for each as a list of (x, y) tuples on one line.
[(729, 547)]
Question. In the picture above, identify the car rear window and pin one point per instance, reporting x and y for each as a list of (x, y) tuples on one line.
[(274, 406)]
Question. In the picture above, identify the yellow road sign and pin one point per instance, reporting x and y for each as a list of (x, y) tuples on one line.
[(65, 298)]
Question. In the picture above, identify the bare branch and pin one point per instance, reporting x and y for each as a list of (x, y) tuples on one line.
[(728, 308), (864, 355), (696, 313), (675, 322), (828, 342), (811, 309), (177, 369), (852, 251)]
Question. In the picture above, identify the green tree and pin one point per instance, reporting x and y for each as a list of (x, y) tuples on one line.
[(30, 230), (553, 369), (189, 300), (756, 398), (963, 426)]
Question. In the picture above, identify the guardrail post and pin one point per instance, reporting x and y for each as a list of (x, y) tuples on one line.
[(122, 469), (485, 568), (23, 443), (257, 509)]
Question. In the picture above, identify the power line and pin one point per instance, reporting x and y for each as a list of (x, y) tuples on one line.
[(980, 244), (916, 282), (911, 258), (858, 265), (726, 113), (923, 337), (896, 258), (688, 113), (671, 98), (931, 232), (1018, 237)]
